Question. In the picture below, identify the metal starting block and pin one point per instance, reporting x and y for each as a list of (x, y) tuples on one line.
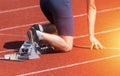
[(27, 51)]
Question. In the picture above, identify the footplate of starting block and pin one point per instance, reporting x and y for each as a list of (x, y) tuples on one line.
[(28, 51)]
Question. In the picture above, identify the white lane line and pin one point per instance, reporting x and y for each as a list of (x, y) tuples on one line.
[(111, 48), (75, 16), (69, 65), (16, 35), (18, 9), (106, 48), (12, 50), (101, 11), (101, 32), (20, 26)]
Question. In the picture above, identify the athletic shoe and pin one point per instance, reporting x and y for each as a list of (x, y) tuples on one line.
[(32, 35), (38, 27)]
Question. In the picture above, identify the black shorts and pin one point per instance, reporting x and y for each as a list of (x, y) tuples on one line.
[(59, 12)]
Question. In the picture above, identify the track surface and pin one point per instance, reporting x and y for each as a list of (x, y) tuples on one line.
[(16, 18)]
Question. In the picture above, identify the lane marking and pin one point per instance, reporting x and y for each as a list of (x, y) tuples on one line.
[(101, 32), (69, 65), (20, 26), (12, 50), (101, 11), (111, 48), (106, 48), (18, 9), (75, 16), (16, 35)]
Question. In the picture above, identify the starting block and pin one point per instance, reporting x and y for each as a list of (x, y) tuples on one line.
[(27, 51)]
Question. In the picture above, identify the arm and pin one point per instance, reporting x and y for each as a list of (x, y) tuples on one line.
[(91, 22), (91, 16)]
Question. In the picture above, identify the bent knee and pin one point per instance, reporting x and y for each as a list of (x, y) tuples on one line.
[(67, 49)]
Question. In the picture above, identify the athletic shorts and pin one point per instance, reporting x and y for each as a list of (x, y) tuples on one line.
[(59, 12)]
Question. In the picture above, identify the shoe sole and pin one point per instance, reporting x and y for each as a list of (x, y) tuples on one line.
[(33, 36), (30, 36)]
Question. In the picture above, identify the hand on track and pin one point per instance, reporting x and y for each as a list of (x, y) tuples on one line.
[(95, 43)]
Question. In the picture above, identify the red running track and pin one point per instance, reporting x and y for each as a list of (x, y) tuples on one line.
[(20, 15)]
